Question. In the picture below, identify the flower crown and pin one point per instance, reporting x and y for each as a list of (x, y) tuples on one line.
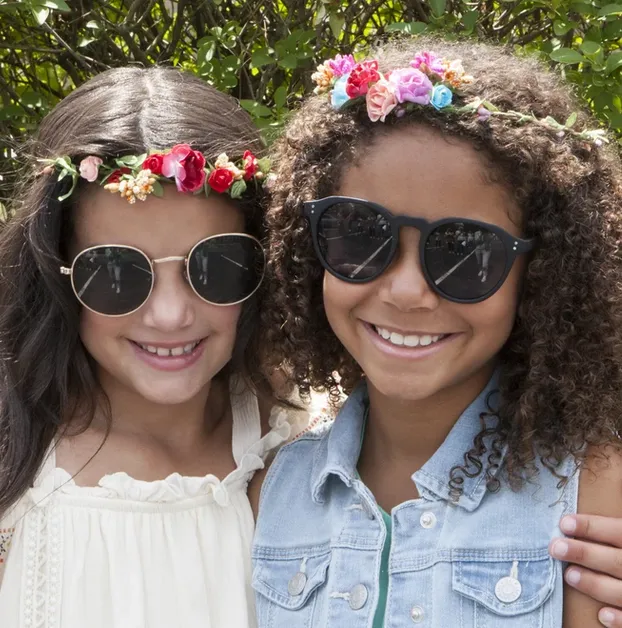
[(136, 177), (428, 81)]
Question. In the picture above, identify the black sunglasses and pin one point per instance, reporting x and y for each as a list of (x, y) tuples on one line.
[(116, 280), (463, 260)]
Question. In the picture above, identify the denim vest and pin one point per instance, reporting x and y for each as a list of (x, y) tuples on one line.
[(480, 562)]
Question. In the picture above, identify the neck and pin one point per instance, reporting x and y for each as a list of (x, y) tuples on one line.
[(182, 424), (410, 431)]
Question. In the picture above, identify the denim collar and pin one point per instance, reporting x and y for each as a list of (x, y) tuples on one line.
[(340, 451)]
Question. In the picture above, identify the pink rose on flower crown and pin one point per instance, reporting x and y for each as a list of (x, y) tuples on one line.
[(187, 166), (428, 63), (411, 85), (361, 76), (381, 100), (89, 168), (251, 165), (341, 65)]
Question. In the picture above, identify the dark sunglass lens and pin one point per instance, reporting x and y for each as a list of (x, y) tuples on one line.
[(464, 260), (226, 269), (112, 280), (354, 240)]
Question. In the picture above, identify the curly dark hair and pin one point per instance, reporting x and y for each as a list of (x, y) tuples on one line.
[(47, 376), (561, 381)]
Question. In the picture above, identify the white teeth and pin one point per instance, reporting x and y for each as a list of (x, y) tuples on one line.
[(411, 340), (167, 353), (396, 339)]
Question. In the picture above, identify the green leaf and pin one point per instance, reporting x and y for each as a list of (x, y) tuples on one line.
[(256, 109), (261, 57), (438, 7), (610, 9), (590, 47), (280, 97), (614, 61), (85, 41), (93, 24), (237, 189), (131, 161), (41, 14), (560, 28), (289, 62), (570, 122), (567, 55), (264, 164), (206, 51), (58, 5), (30, 98), (469, 20), (336, 24), (410, 28), (158, 190)]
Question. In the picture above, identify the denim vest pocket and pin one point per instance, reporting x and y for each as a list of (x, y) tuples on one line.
[(512, 589), (284, 588)]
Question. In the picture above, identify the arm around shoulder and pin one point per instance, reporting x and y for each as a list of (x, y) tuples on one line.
[(600, 493)]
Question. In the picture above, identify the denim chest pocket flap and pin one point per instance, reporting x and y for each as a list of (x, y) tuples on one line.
[(507, 588), (289, 582)]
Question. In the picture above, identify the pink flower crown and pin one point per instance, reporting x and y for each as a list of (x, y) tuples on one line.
[(136, 177), (427, 81)]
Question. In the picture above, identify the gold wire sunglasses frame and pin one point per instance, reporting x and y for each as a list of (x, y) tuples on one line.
[(69, 271)]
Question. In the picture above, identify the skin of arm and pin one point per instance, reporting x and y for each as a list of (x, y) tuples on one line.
[(600, 480)]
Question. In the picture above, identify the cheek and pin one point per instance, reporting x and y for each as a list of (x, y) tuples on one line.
[(340, 299), (96, 330), (223, 320)]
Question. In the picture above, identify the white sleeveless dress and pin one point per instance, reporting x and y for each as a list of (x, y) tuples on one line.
[(133, 554)]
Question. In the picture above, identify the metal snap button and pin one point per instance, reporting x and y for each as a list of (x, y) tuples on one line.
[(416, 614), (428, 520), (508, 589), (358, 597), (297, 584)]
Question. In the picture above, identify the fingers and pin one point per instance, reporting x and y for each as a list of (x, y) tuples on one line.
[(610, 617), (598, 586), (602, 558), (594, 528)]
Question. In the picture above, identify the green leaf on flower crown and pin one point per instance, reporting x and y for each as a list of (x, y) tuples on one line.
[(158, 190), (552, 122), (264, 165), (206, 187), (237, 189), (131, 161), (140, 159), (570, 122)]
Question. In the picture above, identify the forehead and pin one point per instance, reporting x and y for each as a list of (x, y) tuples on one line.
[(416, 171), (165, 226)]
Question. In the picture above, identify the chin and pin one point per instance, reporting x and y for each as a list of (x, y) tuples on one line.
[(168, 395)]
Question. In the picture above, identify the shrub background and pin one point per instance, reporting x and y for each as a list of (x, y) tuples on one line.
[(264, 52)]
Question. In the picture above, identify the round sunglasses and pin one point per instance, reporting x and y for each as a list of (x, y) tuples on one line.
[(116, 279), (465, 261)]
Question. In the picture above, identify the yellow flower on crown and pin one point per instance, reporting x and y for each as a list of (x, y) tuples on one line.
[(455, 74), (323, 78)]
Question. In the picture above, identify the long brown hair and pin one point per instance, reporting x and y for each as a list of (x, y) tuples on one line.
[(561, 382), (46, 374)]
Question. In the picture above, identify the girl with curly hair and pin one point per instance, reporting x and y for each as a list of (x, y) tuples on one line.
[(484, 382), (127, 306)]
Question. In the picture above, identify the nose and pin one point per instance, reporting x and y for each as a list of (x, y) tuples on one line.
[(171, 305), (403, 284)]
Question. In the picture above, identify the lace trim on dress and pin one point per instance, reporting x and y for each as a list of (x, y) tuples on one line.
[(41, 578)]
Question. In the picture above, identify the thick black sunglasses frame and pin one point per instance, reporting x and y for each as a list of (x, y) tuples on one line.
[(69, 271), (314, 210)]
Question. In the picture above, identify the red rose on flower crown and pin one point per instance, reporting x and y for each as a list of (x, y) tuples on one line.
[(135, 177)]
